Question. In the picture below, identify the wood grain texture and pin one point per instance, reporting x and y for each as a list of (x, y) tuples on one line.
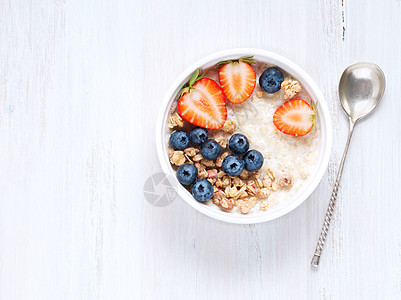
[(80, 85)]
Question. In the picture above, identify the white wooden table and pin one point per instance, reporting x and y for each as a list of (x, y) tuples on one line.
[(80, 85)]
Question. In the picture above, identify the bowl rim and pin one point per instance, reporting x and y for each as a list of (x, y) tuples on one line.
[(326, 136)]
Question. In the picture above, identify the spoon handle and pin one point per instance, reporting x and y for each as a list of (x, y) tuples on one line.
[(330, 210)]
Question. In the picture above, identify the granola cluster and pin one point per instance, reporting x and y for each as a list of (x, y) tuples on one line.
[(229, 126), (290, 88), (175, 121), (243, 191)]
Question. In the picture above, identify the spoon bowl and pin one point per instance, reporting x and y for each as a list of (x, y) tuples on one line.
[(361, 89)]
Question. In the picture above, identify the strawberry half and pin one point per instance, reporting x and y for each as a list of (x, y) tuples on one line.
[(237, 79), (202, 103), (295, 117)]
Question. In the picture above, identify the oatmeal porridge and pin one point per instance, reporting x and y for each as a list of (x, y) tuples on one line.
[(243, 136)]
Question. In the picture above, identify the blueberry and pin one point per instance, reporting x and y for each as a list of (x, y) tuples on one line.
[(271, 79), (179, 140), (202, 190), (253, 160), (210, 149), (233, 165), (238, 143), (198, 136), (187, 174)]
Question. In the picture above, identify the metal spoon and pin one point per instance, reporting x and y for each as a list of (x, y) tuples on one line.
[(361, 89)]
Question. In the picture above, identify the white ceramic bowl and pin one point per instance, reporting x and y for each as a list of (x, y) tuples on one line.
[(325, 127)]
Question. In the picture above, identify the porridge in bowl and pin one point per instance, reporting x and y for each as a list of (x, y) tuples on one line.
[(243, 136)]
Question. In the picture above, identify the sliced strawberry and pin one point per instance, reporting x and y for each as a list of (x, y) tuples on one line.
[(295, 117), (237, 79), (202, 103)]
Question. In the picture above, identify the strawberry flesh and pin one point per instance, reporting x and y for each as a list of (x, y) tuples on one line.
[(295, 117), (203, 105), (237, 80)]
